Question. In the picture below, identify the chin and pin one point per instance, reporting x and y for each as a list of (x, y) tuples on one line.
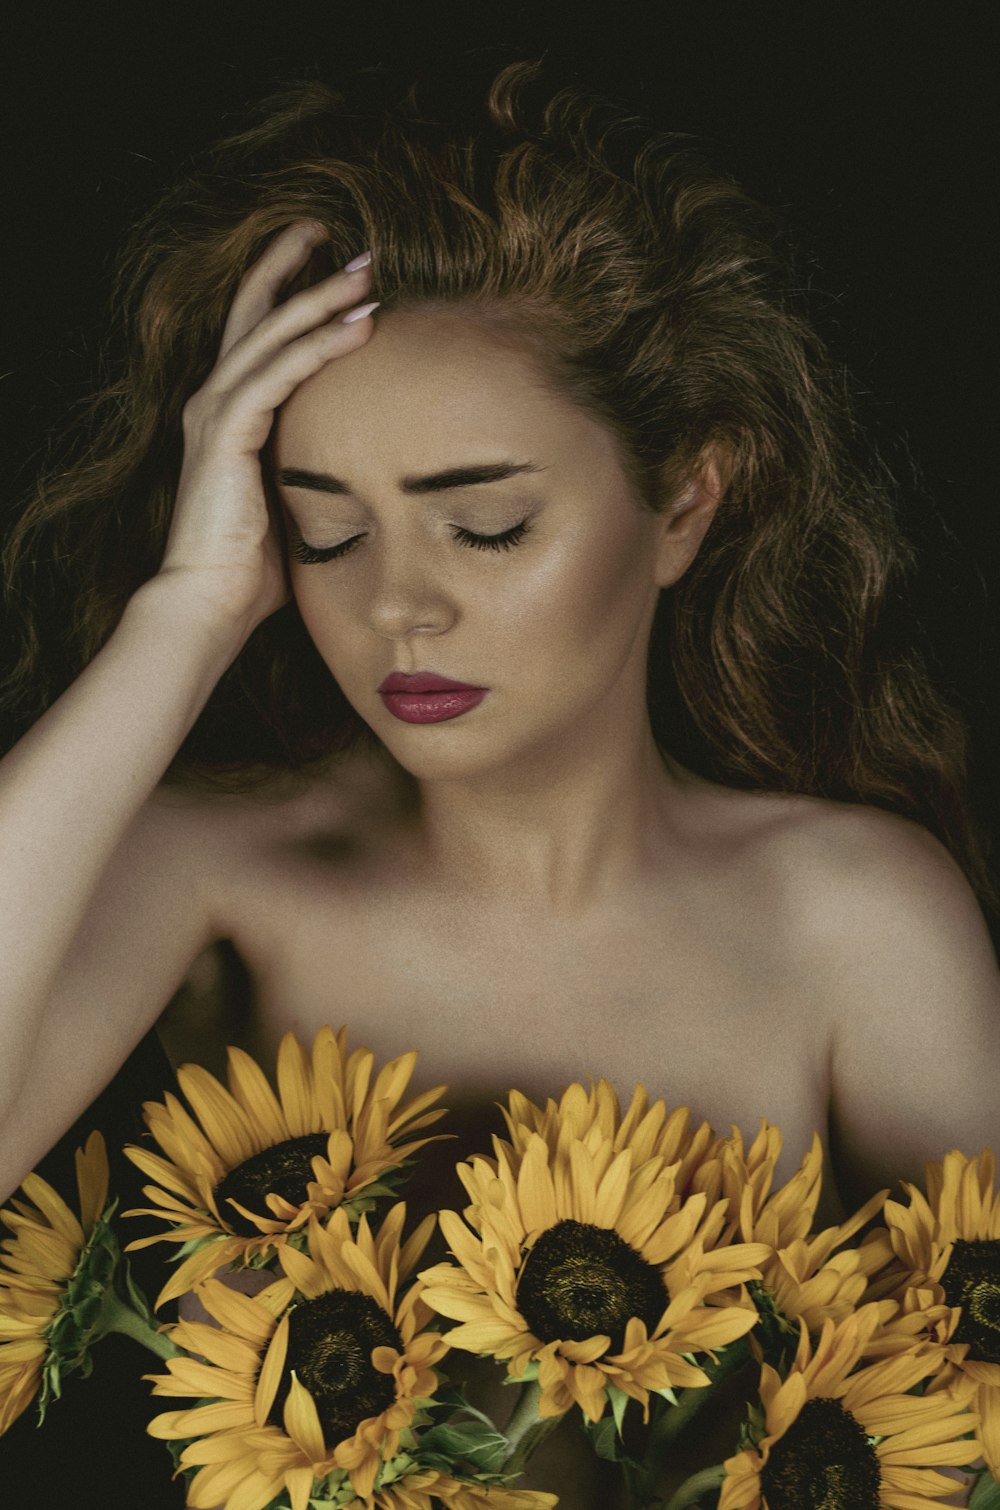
[(432, 752), (430, 765)]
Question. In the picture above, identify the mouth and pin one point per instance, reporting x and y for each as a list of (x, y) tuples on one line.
[(424, 681), (427, 698)]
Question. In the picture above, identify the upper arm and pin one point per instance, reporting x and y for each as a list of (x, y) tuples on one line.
[(150, 917), (913, 992)]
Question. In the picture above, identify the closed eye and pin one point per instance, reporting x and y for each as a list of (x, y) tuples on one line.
[(311, 555), (502, 542)]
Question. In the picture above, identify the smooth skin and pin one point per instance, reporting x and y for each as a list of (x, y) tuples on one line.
[(527, 894)]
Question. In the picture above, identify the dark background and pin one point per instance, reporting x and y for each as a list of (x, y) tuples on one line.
[(869, 126)]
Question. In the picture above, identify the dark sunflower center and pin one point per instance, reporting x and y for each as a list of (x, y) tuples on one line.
[(823, 1462), (285, 1169), (330, 1341), (972, 1281), (580, 1280)]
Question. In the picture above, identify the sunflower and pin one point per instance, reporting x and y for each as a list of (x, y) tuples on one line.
[(807, 1281), (651, 1134), (647, 1128), (423, 1490), (744, 1177), (584, 1270), (52, 1274), (848, 1438), (804, 1277), (942, 1257), (316, 1387), (259, 1166)]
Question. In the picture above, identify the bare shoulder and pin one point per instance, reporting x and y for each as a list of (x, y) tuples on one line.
[(870, 933), (823, 866), (879, 886), (896, 970)]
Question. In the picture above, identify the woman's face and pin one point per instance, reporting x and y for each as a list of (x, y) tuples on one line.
[(551, 618)]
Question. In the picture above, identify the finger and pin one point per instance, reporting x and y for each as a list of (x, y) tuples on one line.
[(305, 311), (259, 287), (247, 412)]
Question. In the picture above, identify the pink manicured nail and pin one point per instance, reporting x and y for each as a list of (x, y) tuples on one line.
[(362, 260), (360, 312)]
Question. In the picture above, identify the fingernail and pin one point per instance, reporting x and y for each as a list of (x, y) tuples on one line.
[(362, 260), (360, 312)]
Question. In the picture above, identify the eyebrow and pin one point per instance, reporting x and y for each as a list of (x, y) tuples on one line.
[(433, 482)]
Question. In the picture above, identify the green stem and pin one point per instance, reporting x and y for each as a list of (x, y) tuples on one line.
[(690, 1492), (673, 1421), (526, 1430), (668, 1426), (118, 1316), (637, 1489)]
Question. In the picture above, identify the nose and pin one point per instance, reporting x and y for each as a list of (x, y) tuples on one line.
[(408, 596)]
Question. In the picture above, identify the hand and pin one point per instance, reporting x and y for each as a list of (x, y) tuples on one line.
[(222, 541)]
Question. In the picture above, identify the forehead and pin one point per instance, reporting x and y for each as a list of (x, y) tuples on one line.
[(426, 388)]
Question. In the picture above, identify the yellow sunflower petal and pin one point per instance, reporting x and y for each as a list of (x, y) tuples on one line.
[(54, 1209), (245, 1315), (295, 1088), (92, 1179), (392, 1080), (302, 1421), (535, 1192), (988, 1407), (249, 1086), (270, 1372), (225, 1122), (199, 1266), (298, 1482)]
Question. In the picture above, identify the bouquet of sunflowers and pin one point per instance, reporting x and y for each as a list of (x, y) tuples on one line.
[(625, 1269)]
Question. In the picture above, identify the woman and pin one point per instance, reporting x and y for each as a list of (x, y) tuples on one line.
[(485, 633)]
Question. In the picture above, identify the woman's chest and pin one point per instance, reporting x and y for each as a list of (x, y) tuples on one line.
[(697, 1010), (690, 1005)]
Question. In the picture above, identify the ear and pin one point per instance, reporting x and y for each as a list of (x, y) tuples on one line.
[(685, 519)]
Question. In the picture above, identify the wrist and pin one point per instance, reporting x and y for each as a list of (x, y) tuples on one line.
[(189, 611)]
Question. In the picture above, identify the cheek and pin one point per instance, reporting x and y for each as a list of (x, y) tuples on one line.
[(594, 594), (322, 613)]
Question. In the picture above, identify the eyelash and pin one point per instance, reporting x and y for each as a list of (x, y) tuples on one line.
[(310, 555), (502, 542)]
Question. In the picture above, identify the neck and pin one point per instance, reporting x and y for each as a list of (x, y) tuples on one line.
[(561, 830)]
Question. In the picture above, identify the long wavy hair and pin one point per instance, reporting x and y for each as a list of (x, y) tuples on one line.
[(656, 295)]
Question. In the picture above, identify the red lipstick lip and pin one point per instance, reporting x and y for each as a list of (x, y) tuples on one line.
[(424, 681), (424, 697)]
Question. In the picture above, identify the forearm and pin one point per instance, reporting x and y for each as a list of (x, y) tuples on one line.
[(71, 787)]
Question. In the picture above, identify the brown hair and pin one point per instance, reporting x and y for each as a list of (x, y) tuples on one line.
[(656, 294)]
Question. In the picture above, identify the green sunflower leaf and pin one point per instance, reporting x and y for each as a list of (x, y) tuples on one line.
[(467, 1441), (986, 1495), (752, 1428), (194, 1245), (618, 1399), (450, 1400), (604, 1438)]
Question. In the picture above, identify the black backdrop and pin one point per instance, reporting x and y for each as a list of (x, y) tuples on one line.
[(869, 125)]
